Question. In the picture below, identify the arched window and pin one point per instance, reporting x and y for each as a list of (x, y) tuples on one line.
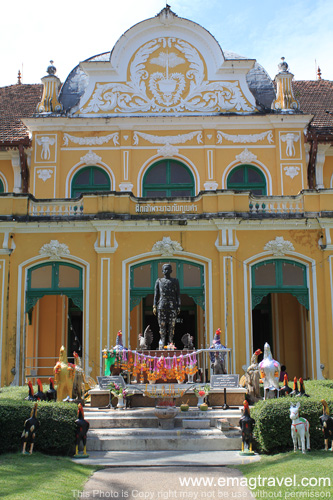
[(89, 180), (247, 178), (2, 189), (168, 178)]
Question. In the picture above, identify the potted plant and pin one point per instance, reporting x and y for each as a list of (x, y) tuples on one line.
[(118, 392), (201, 393)]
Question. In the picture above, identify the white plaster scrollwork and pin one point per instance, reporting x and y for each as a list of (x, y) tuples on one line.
[(168, 150), (290, 139), (210, 186), (44, 174), (167, 247), (242, 139), (54, 250), (279, 246), (246, 156), (185, 90), (292, 171), (92, 141), (45, 142), (167, 139), (91, 158)]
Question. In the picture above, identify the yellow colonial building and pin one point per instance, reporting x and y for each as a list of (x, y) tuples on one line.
[(166, 149)]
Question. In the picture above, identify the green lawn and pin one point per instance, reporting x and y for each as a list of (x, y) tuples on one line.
[(40, 477), (282, 475)]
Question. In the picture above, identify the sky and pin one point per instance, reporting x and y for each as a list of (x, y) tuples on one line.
[(68, 31)]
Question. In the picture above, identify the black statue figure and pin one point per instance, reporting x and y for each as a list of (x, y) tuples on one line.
[(167, 303)]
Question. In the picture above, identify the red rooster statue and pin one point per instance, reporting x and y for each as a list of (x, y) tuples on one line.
[(51, 393), (31, 396), (246, 423), (82, 427), (327, 425), (40, 396), (31, 425)]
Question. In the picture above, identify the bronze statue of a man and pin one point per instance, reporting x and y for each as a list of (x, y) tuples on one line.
[(166, 303)]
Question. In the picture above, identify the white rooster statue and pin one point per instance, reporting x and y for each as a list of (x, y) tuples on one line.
[(269, 372), (146, 339)]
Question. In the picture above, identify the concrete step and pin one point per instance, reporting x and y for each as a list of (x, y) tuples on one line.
[(145, 418), (159, 439)]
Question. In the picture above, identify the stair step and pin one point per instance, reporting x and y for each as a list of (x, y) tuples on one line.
[(160, 439)]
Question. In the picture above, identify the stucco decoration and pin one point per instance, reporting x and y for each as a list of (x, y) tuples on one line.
[(44, 174), (292, 171), (168, 149), (246, 156), (91, 158), (168, 74), (290, 139), (242, 139), (54, 250), (167, 247), (92, 141), (279, 246), (45, 142)]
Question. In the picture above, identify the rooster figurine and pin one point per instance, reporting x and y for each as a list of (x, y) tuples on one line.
[(82, 427), (246, 423), (51, 393), (146, 339), (31, 396), (79, 379), (31, 425), (285, 390), (327, 425), (187, 340), (40, 396), (295, 390), (269, 372), (252, 377)]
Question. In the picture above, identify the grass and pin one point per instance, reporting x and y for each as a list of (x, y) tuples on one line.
[(37, 477), (309, 475)]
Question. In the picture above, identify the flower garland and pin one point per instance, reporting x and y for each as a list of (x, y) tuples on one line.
[(152, 368)]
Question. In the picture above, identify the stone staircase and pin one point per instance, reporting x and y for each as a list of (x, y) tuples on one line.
[(138, 429)]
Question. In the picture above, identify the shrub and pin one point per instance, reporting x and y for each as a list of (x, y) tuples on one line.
[(272, 431), (56, 434)]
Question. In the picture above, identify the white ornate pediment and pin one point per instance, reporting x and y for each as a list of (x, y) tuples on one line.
[(167, 247), (54, 250), (279, 246), (167, 65)]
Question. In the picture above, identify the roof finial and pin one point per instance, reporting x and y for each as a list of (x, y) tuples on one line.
[(51, 70), (19, 76), (283, 66), (318, 73)]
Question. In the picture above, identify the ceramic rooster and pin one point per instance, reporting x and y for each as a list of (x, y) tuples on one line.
[(31, 396), (82, 427), (40, 396), (295, 390), (246, 423), (252, 377), (327, 425), (269, 372), (302, 388), (146, 339), (31, 425), (285, 390), (51, 393)]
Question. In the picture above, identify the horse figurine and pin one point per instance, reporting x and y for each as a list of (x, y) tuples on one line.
[(300, 429)]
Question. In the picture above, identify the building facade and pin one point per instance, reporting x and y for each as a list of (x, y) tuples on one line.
[(167, 149)]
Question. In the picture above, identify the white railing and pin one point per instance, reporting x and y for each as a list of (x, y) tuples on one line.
[(55, 208), (276, 204)]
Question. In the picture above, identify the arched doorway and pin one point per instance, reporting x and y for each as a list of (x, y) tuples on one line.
[(191, 280), (280, 304), (54, 306)]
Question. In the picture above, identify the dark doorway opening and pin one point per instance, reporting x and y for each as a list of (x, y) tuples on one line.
[(262, 324), (74, 330)]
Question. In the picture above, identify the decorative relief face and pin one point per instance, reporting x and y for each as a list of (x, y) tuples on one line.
[(290, 145), (45, 148), (167, 75)]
